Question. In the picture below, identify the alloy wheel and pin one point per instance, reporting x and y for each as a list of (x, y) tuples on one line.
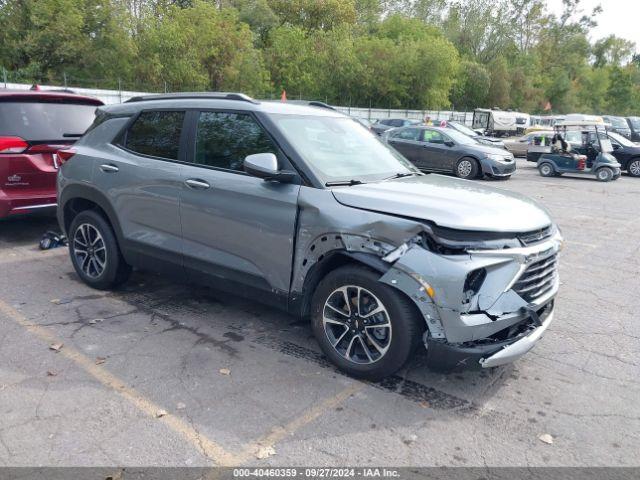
[(357, 324), (634, 168), (546, 170), (464, 168), (89, 250)]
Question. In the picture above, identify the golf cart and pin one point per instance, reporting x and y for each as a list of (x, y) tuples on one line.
[(580, 147)]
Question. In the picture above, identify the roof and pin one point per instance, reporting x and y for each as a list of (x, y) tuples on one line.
[(57, 95), (580, 123), (221, 100)]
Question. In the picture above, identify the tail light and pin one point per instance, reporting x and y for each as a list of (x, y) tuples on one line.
[(65, 155), (12, 145)]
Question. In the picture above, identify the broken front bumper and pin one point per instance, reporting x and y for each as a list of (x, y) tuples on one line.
[(446, 356), (496, 323)]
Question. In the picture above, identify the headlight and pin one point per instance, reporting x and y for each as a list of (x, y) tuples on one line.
[(499, 158)]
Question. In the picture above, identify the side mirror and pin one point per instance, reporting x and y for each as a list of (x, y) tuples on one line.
[(265, 165), (616, 146), (449, 143)]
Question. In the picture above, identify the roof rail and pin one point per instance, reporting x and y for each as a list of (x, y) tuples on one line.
[(194, 95)]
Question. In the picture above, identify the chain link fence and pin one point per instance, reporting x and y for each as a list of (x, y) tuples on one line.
[(122, 92)]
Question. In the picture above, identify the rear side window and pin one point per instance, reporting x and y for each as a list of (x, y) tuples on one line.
[(40, 121), (224, 139), (156, 133), (408, 134)]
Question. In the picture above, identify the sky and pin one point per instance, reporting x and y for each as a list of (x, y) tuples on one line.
[(619, 17)]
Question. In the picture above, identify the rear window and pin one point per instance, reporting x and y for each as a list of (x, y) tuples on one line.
[(40, 121)]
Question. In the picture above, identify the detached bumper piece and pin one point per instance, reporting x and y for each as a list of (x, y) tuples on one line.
[(502, 348)]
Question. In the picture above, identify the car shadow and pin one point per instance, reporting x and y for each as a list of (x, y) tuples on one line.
[(26, 230)]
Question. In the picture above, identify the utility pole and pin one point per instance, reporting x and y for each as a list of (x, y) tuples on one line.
[(4, 74), (64, 76)]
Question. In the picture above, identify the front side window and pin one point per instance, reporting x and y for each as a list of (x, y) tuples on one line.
[(156, 133), (224, 139), (431, 136)]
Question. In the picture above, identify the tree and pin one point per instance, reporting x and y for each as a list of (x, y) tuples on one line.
[(200, 47), (500, 86), (472, 86), (612, 50), (314, 14)]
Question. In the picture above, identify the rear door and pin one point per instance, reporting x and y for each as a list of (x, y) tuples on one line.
[(238, 230), (141, 176), (32, 130), (406, 141)]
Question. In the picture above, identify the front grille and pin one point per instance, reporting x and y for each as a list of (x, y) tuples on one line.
[(537, 279), (536, 236)]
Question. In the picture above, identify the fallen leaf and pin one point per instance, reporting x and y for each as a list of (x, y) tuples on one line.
[(425, 404), (161, 413), (225, 371), (181, 406), (265, 452), (546, 438), (100, 360), (51, 373), (56, 347), (60, 301)]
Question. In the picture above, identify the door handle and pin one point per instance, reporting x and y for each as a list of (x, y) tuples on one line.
[(107, 167), (196, 184)]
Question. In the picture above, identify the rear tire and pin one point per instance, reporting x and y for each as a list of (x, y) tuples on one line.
[(467, 168), (546, 170), (94, 251), (604, 174), (634, 167), (359, 341)]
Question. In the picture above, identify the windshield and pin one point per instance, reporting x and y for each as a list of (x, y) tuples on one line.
[(461, 138), (463, 129), (618, 122), (624, 141), (39, 121), (338, 149)]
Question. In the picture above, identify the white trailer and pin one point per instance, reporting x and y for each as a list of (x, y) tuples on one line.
[(499, 123)]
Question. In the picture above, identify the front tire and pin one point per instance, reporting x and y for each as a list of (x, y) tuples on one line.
[(634, 167), (604, 174), (366, 328), (94, 251), (467, 168)]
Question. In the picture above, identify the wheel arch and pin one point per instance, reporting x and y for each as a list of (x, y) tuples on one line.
[(77, 198)]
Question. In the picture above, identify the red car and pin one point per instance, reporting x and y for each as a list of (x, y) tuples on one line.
[(34, 125)]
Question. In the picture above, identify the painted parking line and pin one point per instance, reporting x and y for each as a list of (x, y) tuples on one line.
[(207, 446), (281, 432)]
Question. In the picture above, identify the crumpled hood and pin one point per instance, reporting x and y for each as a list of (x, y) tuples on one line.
[(448, 202)]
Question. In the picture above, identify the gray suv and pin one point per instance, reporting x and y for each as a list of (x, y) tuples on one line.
[(302, 208)]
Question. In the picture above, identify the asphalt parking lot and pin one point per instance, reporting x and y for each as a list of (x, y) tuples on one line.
[(172, 375)]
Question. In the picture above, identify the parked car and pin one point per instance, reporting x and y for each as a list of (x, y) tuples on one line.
[(446, 150), (520, 146), (618, 125), (34, 125), (634, 127), (384, 124), (304, 209), (491, 141), (363, 121), (626, 153)]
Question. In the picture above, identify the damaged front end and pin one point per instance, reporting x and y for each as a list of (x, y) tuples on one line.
[(486, 297)]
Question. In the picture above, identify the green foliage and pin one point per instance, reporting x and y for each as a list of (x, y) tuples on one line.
[(384, 53)]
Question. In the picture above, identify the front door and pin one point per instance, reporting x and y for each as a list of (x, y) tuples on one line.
[(238, 230), (435, 152)]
